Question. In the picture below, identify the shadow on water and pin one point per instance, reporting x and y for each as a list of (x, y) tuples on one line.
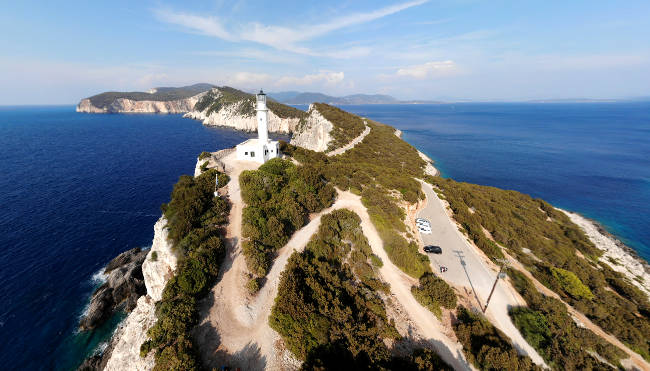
[(461, 257)]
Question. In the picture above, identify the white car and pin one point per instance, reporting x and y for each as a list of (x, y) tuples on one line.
[(424, 229)]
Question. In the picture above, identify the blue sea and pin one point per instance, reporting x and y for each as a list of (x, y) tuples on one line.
[(78, 189)]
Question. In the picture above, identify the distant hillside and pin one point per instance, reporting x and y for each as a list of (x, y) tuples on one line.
[(292, 97), (162, 94)]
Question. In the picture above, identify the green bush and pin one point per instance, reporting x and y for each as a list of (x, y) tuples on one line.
[(194, 218), (253, 285), (154, 256), (279, 197), (485, 346), (548, 327), (571, 284), (433, 292), (205, 155), (322, 312)]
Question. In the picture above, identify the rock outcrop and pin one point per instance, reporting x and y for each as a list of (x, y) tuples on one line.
[(234, 115), (123, 352), (125, 283), (124, 105), (314, 133)]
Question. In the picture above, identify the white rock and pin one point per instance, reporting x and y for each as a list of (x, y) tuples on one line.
[(130, 335), (122, 105), (315, 133), (157, 273)]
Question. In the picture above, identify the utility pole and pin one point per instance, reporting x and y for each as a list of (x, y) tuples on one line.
[(501, 274)]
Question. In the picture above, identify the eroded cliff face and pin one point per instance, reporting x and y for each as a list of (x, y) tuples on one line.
[(124, 351), (314, 134), (123, 105)]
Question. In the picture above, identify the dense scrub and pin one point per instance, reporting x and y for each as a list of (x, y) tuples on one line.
[(322, 306), (346, 125), (194, 221), (381, 169), (549, 328), (279, 197), (434, 292), (246, 104), (328, 310), (556, 252), (485, 346)]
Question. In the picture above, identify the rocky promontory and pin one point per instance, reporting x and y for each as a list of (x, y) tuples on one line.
[(124, 284), (157, 100), (314, 134)]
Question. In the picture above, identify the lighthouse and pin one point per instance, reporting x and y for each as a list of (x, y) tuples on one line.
[(260, 149)]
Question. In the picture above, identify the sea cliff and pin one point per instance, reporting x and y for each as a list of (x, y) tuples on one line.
[(123, 352), (314, 134), (125, 105)]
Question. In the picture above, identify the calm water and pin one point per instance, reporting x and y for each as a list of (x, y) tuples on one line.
[(78, 189), (593, 158)]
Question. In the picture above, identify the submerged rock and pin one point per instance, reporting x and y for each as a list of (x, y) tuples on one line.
[(124, 284)]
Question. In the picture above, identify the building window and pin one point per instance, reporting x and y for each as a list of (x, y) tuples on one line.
[(252, 154), (246, 153)]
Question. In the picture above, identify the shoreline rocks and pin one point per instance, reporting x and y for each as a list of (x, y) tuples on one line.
[(616, 254), (157, 267), (124, 284)]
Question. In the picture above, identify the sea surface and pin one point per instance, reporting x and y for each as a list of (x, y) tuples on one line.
[(78, 189)]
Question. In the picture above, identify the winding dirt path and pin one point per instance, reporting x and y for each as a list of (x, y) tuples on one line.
[(353, 143), (233, 329)]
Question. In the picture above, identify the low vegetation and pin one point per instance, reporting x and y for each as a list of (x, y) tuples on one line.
[(194, 219), (556, 252), (279, 196), (433, 292), (328, 311), (547, 326), (485, 346), (381, 169), (346, 125)]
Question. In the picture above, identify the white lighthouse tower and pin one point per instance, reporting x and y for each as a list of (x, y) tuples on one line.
[(260, 149)]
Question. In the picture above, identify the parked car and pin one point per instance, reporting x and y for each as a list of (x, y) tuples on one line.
[(433, 249)]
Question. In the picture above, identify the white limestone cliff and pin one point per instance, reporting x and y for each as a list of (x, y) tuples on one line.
[(123, 105), (314, 134), (132, 332)]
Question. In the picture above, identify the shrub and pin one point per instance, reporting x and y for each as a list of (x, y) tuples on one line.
[(253, 285), (205, 155), (154, 256), (433, 292), (279, 196), (194, 217), (485, 346), (324, 315), (571, 284)]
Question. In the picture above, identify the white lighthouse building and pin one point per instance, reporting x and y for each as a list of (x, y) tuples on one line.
[(261, 149)]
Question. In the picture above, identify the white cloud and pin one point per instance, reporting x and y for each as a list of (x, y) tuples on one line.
[(327, 78), (429, 69), (279, 37)]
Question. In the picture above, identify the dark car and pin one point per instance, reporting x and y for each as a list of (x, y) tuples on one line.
[(433, 249)]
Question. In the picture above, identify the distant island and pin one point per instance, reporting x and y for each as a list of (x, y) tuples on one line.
[(294, 97)]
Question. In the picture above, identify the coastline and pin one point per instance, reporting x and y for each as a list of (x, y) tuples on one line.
[(616, 254)]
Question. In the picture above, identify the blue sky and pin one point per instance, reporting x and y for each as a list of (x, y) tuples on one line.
[(59, 52)]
